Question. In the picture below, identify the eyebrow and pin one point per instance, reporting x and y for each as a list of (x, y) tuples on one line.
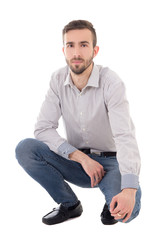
[(80, 42)]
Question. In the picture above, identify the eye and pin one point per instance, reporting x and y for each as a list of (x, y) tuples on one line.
[(70, 45), (83, 45)]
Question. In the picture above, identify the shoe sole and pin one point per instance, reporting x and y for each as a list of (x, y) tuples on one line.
[(111, 222)]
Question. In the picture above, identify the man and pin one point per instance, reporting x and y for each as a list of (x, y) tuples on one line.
[(100, 150)]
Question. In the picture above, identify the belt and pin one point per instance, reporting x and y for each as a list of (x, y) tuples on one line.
[(101, 154)]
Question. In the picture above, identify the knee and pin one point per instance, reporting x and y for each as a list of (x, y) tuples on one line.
[(23, 150), (133, 216)]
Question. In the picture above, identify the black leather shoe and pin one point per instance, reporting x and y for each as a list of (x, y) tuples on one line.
[(106, 217), (62, 214)]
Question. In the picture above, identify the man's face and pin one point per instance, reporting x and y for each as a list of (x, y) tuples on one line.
[(78, 50)]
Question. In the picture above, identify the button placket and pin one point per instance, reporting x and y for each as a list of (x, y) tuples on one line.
[(82, 119)]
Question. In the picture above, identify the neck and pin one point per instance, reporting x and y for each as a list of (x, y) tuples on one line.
[(80, 80)]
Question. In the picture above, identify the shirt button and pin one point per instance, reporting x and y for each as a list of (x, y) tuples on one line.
[(81, 113), (84, 129)]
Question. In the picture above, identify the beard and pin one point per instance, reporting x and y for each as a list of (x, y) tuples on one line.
[(79, 68)]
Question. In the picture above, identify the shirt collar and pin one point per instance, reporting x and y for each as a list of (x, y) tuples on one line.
[(93, 80)]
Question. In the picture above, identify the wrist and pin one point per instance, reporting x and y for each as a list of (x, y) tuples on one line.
[(78, 156), (129, 190)]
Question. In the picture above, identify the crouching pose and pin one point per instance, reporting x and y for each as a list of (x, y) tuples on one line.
[(100, 149)]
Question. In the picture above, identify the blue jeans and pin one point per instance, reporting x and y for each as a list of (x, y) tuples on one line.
[(53, 172)]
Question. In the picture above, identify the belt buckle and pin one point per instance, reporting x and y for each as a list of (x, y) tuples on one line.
[(97, 153)]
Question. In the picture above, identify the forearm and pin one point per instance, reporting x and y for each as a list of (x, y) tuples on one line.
[(92, 168), (78, 156)]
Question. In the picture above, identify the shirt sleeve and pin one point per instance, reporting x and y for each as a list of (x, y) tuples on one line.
[(47, 123), (123, 131)]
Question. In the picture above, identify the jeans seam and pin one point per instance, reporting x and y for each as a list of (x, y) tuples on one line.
[(57, 172)]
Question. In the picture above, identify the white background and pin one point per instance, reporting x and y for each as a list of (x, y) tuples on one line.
[(30, 50)]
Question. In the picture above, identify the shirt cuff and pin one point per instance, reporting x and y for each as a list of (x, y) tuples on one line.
[(129, 181), (65, 149)]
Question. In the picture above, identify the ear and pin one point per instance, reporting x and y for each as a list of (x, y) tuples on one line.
[(63, 50), (96, 50)]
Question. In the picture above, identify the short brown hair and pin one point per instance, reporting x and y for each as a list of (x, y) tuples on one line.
[(81, 24)]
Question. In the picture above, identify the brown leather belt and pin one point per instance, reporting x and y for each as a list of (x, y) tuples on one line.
[(101, 154)]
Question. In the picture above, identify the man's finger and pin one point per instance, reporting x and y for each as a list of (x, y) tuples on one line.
[(118, 216), (103, 173), (127, 217), (92, 181), (113, 204), (97, 179)]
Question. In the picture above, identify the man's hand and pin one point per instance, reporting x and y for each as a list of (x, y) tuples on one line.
[(123, 203), (93, 169)]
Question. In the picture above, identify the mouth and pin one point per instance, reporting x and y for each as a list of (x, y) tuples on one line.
[(77, 61)]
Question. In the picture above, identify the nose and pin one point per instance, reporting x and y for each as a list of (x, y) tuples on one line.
[(77, 52)]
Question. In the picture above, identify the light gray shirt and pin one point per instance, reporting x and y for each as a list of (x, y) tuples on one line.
[(96, 117)]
